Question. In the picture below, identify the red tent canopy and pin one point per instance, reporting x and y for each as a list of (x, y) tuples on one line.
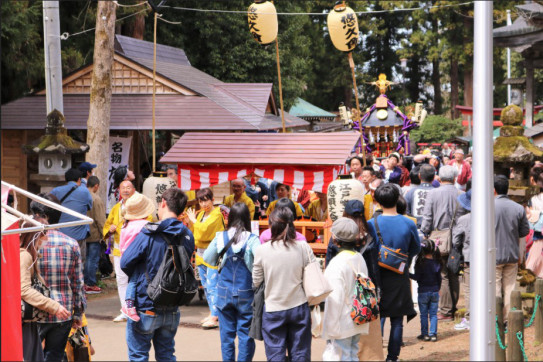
[(303, 160)]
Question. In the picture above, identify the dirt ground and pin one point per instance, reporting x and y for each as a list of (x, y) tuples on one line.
[(452, 345)]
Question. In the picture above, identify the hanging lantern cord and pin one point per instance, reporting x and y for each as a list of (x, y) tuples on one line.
[(154, 92), (362, 144), (280, 86)]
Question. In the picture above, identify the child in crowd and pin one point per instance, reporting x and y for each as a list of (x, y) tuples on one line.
[(138, 211), (428, 276), (338, 326)]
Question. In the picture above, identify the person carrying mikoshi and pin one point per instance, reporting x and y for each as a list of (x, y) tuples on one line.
[(283, 191), (239, 195), (204, 226)]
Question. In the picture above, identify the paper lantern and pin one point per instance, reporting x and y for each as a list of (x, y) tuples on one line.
[(340, 191), (154, 187), (263, 21), (343, 27)]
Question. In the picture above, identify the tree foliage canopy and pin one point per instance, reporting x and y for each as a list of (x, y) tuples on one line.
[(437, 44)]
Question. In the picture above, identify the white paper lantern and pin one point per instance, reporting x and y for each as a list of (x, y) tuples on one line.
[(340, 191), (262, 18), (343, 27)]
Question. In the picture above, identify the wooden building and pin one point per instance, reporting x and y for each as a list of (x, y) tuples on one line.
[(187, 100)]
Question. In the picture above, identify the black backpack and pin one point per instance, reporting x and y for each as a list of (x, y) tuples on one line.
[(174, 283)]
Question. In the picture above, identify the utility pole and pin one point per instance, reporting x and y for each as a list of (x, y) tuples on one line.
[(53, 62), (100, 96), (483, 253), (508, 62)]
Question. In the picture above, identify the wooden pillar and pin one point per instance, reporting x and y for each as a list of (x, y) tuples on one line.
[(529, 90), (516, 300), (500, 353), (539, 312), (516, 324)]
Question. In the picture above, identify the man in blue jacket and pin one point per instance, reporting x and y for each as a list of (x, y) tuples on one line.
[(144, 256)]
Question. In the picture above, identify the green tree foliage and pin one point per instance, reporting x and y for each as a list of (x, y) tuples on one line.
[(437, 129), (22, 48), (437, 43)]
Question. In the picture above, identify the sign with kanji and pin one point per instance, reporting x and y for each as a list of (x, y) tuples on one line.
[(119, 153)]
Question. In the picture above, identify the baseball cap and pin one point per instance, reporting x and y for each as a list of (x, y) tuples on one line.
[(345, 229), (87, 166), (354, 207)]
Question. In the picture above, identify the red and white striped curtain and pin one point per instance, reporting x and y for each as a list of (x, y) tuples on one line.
[(316, 178)]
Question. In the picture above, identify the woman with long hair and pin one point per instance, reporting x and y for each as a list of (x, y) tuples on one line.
[(234, 287), (286, 322), (205, 226), (30, 245)]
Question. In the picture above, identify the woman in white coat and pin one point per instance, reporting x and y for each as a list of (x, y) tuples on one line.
[(338, 326)]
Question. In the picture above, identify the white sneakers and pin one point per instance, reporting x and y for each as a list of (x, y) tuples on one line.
[(120, 318), (462, 325)]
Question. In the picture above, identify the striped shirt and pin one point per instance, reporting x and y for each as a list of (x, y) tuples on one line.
[(61, 268)]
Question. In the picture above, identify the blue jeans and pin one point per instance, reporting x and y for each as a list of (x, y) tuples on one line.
[(91, 264), (209, 277), (287, 331), (159, 328), (395, 338), (56, 336), (348, 347), (428, 305), (235, 315)]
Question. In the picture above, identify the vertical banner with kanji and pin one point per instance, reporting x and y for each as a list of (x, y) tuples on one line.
[(119, 153)]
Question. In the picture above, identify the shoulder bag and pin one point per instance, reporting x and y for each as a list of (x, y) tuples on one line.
[(315, 285), (223, 251), (443, 238), (389, 258), (29, 313)]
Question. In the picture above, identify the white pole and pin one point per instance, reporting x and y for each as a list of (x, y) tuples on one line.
[(508, 62), (483, 253), (53, 63)]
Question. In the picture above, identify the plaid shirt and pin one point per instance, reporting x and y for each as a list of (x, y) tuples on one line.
[(61, 268)]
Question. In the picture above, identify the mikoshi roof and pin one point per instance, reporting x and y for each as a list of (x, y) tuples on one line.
[(304, 109), (209, 104)]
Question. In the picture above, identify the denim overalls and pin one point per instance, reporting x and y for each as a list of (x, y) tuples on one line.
[(234, 298)]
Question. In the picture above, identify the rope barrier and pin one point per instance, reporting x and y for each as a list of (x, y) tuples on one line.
[(498, 335), (537, 298), (519, 337)]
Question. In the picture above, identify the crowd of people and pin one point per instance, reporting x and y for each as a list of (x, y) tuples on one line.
[(417, 210)]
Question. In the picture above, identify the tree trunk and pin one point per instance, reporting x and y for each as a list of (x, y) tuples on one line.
[(135, 28), (454, 87), (436, 82), (468, 68), (100, 94)]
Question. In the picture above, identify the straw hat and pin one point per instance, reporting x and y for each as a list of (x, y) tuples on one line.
[(138, 206)]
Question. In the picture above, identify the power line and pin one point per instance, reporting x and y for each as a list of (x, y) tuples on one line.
[(67, 35), (315, 14)]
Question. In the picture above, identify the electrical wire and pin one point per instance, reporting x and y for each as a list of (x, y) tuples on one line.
[(129, 6), (315, 14), (67, 35), (168, 21)]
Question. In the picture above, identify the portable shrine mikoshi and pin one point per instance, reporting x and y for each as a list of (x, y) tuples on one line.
[(385, 128)]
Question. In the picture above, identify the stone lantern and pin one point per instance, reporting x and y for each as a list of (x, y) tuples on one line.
[(55, 150), (514, 155)]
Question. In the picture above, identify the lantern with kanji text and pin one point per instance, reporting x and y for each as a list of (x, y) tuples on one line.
[(262, 19), (343, 27)]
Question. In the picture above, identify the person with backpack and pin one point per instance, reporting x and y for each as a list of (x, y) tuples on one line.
[(143, 261), (428, 276), (234, 250), (339, 328)]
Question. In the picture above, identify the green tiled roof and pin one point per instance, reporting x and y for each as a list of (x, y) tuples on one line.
[(302, 108)]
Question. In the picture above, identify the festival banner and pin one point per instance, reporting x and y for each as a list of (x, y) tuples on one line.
[(119, 153)]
